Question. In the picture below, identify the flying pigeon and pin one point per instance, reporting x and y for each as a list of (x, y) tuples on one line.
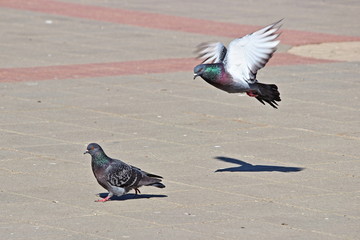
[(116, 176), (234, 69)]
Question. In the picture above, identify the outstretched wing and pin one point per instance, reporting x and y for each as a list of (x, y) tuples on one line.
[(211, 52), (250, 53)]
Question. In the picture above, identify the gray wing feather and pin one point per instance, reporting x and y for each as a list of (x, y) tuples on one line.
[(211, 52), (250, 53), (121, 174)]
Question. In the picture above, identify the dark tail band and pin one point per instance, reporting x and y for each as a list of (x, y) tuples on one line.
[(268, 93), (158, 185)]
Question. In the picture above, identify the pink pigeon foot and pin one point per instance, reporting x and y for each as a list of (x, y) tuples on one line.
[(103, 199), (252, 94)]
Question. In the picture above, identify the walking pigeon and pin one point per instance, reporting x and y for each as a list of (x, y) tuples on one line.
[(234, 69), (116, 176)]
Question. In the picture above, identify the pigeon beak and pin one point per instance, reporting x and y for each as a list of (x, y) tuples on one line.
[(86, 152), (195, 75)]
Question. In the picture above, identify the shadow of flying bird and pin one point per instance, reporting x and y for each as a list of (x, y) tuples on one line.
[(247, 167)]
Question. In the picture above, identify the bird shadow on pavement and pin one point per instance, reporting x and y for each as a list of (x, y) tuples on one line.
[(131, 196), (247, 167)]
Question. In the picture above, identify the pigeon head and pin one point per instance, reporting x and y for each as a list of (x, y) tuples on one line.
[(199, 70), (213, 72), (93, 148)]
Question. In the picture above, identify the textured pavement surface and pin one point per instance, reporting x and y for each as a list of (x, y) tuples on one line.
[(119, 73)]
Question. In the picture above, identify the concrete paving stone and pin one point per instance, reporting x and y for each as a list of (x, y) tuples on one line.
[(12, 198), (286, 173), (305, 122), (183, 135), (43, 96), (177, 82), (15, 140), (60, 191), (349, 102), (32, 165), (264, 211), (8, 118), (118, 95), (289, 10), (256, 229), (53, 90), (183, 216), (246, 148), (314, 179), (95, 225), (69, 150), (35, 129), (64, 114), (152, 200), (23, 230), (329, 80), (8, 154), (323, 110), (338, 203), (164, 233), (268, 133), (17, 104), (139, 144), (192, 121), (209, 178), (87, 136), (66, 42), (19, 181), (266, 219), (83, 117), (276, 154), (340, 67), (134, 108), (276, 191), (40, 166), (327, 224), (36, 211), (290, 73), (348, 168), (185, 195), (211, 181), (338, 185), (324, 143)]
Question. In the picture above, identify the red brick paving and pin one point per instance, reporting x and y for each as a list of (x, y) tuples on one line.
[(77, 71), (165, 22), (147, 20)]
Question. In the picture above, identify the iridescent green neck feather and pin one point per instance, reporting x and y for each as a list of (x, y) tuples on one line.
[(100, 158), (212, 72)]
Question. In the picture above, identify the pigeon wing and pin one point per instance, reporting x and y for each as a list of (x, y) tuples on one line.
[(250, 53), (120, 174), (211, 52), (146, 173)]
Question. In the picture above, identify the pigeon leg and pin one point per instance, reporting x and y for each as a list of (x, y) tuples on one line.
[(105, 199), (102, 200), (251, 94), (137, 191)]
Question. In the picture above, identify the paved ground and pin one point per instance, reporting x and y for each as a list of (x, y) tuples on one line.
[(119, 73)]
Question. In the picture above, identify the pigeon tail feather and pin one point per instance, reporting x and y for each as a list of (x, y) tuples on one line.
[(268, 93), (152, 175), (158, 185)]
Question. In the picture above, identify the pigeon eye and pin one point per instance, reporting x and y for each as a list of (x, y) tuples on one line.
[(92, 148)]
